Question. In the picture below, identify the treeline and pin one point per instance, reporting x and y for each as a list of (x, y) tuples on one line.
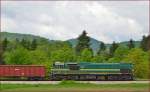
[(22, 51)]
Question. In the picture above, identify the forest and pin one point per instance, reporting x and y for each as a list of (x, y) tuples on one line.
[(41, 51)]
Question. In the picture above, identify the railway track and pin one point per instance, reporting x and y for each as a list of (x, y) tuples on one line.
[(57, 82)]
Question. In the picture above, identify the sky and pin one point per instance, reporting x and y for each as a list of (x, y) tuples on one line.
[(105, 21)]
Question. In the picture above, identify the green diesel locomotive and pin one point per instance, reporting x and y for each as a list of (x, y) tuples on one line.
[(86, 71)]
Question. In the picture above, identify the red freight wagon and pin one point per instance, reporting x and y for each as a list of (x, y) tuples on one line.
[(31, 72)]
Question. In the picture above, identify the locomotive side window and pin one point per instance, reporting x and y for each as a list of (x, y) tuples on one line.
[(58, 65), (73, 66)]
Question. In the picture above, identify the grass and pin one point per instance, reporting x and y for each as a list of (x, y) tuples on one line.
[(70, 86)]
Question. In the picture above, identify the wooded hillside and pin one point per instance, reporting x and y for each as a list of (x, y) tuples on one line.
[(29, 49)]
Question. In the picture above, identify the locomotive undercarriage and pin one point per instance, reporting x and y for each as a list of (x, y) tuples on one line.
[(92, 77)]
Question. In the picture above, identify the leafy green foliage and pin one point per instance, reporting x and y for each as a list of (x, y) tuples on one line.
[(25, 43), (63, 55), (145, 43), (18, 56), (4, 44), (119, 54), (86, 55), (99, 59), (140, 59), (148, 43), (83, 42), (34, 44), (39, 57), (1, 54), (131, 44), (113, 47), (102, 47), (19, 36)]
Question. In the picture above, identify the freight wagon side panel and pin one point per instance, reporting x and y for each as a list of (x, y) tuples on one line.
[(17, 71), (22, 71), (4, 71)]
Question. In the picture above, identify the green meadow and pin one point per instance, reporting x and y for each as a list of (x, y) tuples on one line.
[(69, 86)]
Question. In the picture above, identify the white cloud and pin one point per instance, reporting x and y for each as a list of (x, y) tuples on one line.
[(7, 23), (64, 20)]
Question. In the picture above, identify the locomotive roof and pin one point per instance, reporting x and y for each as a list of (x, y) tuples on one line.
[(90, 65)]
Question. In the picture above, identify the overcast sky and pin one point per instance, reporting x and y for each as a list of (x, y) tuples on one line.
[(61, 20)]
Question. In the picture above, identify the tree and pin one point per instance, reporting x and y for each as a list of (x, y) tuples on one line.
[(102, 47), (39, 57), (3, 47), (148, 42), (17, 40), (1, 54), (140, 60), (131, 44), (64, 54), (83, 42), (113, 47), (4, 44), (15, 44), (25, 43), (145, 43), (86, 55), (34, 44), (119, 54), (18, 56), (98, 59)]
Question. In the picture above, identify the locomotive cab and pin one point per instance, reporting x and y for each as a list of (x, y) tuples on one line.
[(73, 66)]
